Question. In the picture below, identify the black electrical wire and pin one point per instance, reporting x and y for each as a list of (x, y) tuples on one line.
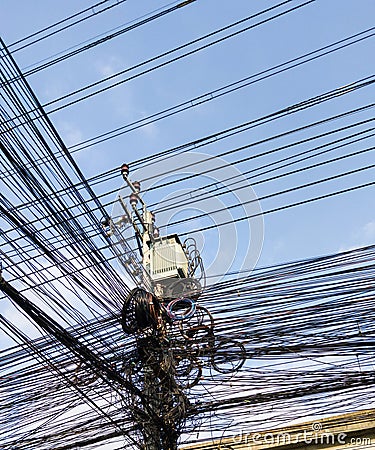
[(10, 80), (90, 9), (103, 39), (287, 206), (84, 97), (278, 148), (303, 331), (217, 93), (232, 87), (289, 317), (207, 140), (215, 192)]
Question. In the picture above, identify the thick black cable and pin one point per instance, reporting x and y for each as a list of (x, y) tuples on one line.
[(60, 22), (103, 39), (169, 61), (208, 96), (281, 208)]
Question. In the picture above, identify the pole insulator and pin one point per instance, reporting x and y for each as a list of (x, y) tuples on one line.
[(125, 170), (133, 199), (137, 186)]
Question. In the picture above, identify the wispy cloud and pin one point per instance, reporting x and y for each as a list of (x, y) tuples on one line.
[(70, 133), (369, 230), (150, 130), (362, 237), (109, 66)]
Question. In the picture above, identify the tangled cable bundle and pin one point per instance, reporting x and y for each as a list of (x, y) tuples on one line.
[(95, 361)]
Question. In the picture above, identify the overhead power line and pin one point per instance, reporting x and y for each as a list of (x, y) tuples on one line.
[(290, 205), (257, 122), (285, 191), (366, 82), (94, 230), (92, 13), (177, 58), (228, 89), (224, 90), (289, 340), (298, 322), (104, 39)]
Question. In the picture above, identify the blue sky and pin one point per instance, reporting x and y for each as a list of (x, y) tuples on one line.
[(321, 227), (317, 228)]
